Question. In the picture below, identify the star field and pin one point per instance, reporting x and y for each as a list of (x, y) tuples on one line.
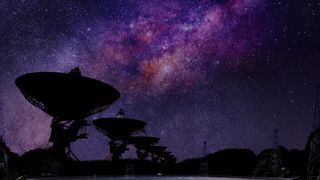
[(223, 71)]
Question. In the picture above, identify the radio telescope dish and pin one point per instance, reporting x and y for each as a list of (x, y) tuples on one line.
[(118, 128), (66, 95), (143, 141), (68, 98), (119, 131)]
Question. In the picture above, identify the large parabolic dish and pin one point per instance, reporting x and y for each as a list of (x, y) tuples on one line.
[(118, 128), (143, 141), (66, 96), (156, 149)]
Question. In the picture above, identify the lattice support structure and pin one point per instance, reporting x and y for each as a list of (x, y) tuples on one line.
[(276, 158), (129, 169), (270, 163), (314, 156), (204, 152), (314, 142), (316, 117), (204, 168)]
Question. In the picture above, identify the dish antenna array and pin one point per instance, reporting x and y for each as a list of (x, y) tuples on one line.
[(70, 97), (123, 131)]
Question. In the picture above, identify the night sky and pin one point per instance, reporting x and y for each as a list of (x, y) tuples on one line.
[(223, 71)]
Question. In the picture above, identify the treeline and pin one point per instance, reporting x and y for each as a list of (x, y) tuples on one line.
[(229, 162)]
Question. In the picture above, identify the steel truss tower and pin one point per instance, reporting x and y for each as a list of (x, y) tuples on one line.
[(270, 163), (314, 141), (276, 158)]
